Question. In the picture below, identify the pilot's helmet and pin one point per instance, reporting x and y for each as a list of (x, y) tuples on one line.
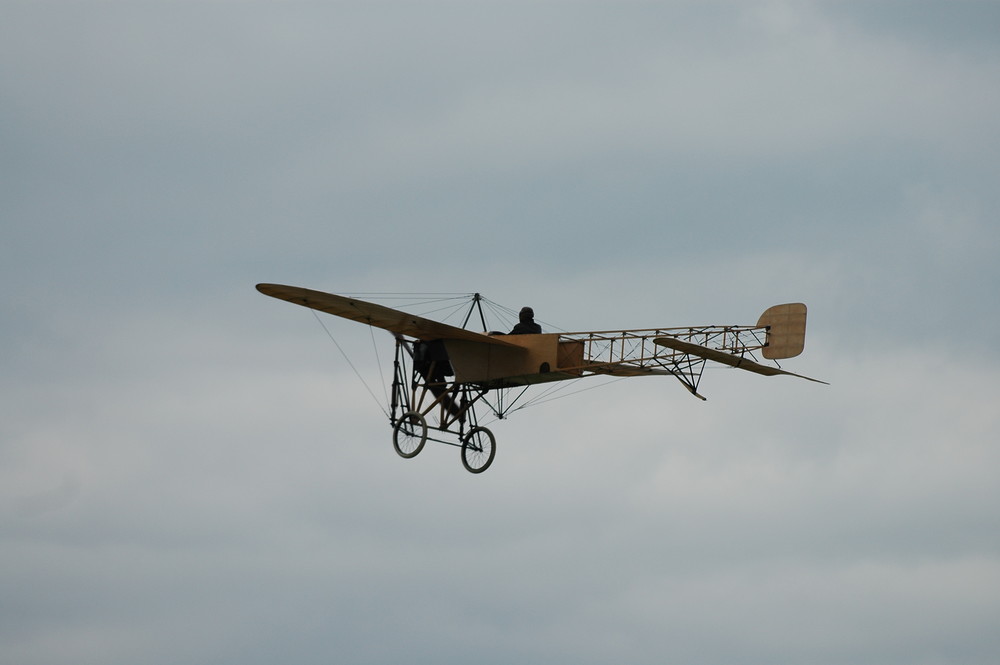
[(527, 312)]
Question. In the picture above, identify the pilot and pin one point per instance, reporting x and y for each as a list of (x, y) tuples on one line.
[(526, 325)]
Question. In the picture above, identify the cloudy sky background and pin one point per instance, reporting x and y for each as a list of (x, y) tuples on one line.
[(191, 472)]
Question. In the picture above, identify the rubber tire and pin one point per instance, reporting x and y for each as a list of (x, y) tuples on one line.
[(410, 427), (478, 445)]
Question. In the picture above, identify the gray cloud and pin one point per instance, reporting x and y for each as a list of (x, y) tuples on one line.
[(192, 472)]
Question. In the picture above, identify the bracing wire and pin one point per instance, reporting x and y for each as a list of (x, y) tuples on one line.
[(347, 358), (378, 360), (426, 304), (551, 396), (510, 316)]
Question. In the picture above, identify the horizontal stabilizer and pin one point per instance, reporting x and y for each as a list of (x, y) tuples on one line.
[(725, 358)]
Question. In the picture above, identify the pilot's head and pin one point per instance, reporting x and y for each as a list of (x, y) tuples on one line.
[(526, 314)]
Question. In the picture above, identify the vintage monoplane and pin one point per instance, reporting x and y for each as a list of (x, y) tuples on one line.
[(442, 373)]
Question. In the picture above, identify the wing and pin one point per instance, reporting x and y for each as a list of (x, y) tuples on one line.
[(390, 319), (725, 358)]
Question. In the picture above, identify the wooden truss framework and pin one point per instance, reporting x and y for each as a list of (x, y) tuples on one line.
[(636, 352)]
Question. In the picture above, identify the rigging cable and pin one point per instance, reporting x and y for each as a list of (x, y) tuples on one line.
[(356, 372), (378, 360), (551, 394)]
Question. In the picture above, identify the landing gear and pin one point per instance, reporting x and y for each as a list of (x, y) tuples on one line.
[(479, 447), (427, 406)]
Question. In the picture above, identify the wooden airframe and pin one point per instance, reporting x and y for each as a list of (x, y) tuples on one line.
[(494, 369)]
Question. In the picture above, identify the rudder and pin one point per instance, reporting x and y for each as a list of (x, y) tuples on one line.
[(786, 330)]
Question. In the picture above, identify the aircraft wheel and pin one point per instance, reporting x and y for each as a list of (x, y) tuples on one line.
[(410, 434), (478, 449)]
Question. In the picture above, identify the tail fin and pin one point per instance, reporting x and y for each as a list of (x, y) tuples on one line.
[(786, 330)]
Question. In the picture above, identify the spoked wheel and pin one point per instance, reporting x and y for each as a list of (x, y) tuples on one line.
[(478, 449), (410, 434)]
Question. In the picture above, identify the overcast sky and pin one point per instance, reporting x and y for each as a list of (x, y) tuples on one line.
[(192, 473)]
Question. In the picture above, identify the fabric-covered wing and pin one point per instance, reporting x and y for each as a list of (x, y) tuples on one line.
[(379, 316), (725, 358)]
